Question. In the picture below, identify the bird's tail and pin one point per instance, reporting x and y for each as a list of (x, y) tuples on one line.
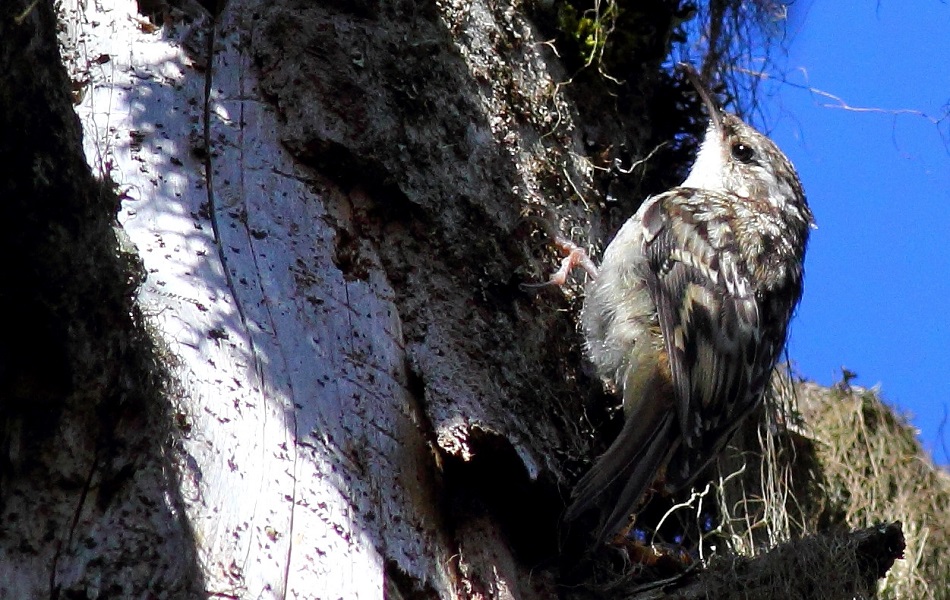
[(619, 478)]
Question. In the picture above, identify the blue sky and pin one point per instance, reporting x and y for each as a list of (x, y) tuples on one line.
[(877, 295)]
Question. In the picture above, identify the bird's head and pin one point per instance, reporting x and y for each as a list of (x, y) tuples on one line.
[(735, 158)]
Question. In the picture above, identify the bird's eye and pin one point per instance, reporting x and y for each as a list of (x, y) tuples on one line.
[(742, 153)]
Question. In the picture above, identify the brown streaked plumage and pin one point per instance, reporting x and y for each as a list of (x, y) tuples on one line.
[(689, 313)]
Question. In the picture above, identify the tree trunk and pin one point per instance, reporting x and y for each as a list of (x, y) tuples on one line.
[(365, 397)]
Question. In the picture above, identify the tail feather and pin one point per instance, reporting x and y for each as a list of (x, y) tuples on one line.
[(656, 453), (619, 478)]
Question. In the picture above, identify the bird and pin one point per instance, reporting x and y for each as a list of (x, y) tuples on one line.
[(688, 313)]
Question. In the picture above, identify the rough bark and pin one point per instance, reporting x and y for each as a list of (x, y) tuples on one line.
[(367, 392)]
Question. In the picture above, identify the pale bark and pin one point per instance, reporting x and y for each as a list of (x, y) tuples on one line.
[(368, 399)]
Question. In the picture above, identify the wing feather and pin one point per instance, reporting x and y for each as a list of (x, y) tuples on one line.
[(710, 320)]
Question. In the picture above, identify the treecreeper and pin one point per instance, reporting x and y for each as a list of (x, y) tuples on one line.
[(689, 311)]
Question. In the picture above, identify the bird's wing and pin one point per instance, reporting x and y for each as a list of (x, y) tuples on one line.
[(709, 317)]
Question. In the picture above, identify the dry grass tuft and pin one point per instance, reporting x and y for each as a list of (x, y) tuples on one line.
[(875, 470), (830, 460)]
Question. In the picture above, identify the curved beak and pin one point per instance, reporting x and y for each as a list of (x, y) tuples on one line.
[(715, 115)]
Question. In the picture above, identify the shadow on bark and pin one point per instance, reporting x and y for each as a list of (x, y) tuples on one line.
[(87, 493)]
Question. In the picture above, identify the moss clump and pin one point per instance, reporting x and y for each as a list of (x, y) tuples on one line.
[(619, 40)]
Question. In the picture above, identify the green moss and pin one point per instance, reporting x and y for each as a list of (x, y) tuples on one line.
[(588, 29), (619, 40)]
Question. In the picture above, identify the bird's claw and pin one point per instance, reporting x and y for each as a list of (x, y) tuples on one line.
[(575, 256)]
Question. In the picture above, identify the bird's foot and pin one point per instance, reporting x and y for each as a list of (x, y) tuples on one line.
[(574, 256), (668, 559)]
